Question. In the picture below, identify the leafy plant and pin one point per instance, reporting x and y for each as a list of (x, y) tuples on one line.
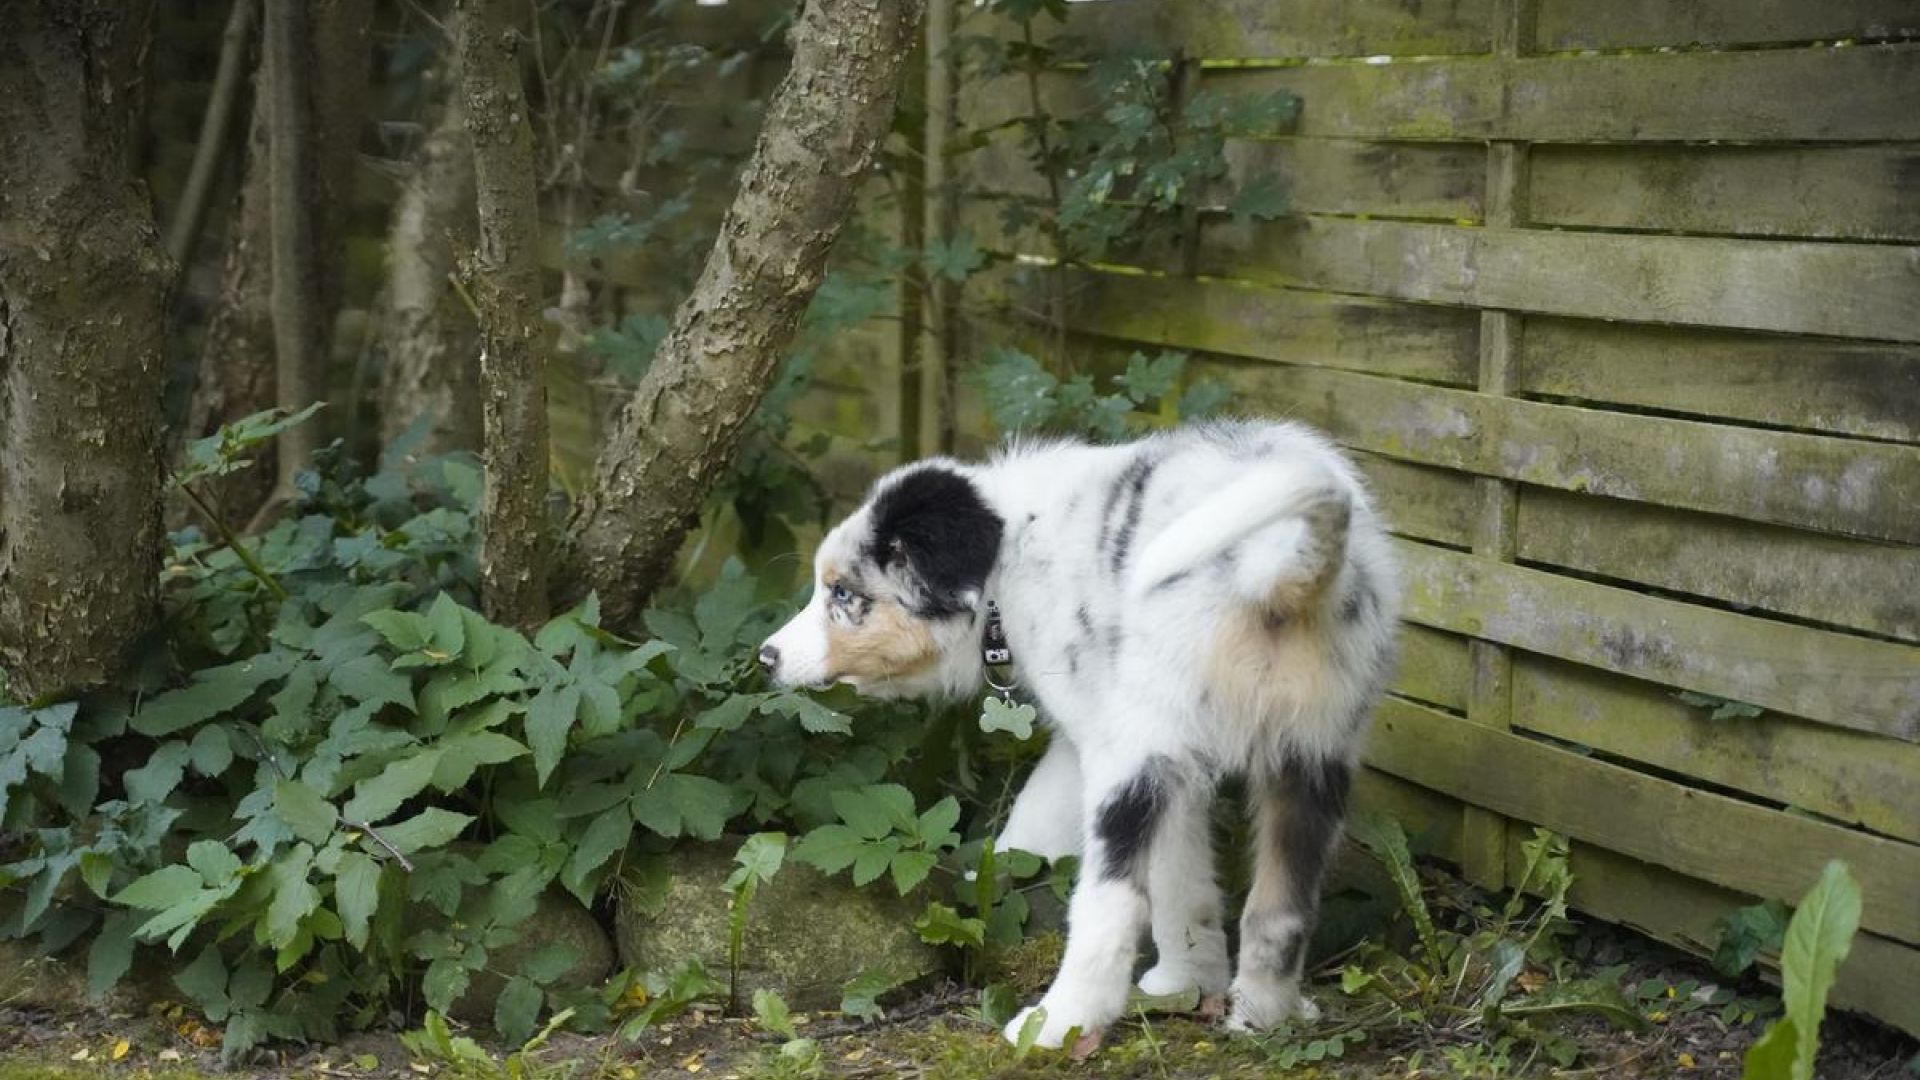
[(879, 832), (1022, 395), (1818, 939)]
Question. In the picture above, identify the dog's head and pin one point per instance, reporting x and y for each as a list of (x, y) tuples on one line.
[(897, 591)]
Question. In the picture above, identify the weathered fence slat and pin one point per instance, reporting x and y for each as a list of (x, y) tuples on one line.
[(1841, 290), (1412, 341), (1770, 95), (1818, 384), (1837, 485), (1853, 583), (1620, 24), (1842, 192), (1421, 501), (1844, 775), (1848, 682), (1437, 180), (1685, 829)]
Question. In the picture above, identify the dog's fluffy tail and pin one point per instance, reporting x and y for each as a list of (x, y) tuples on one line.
[(1285, 525)]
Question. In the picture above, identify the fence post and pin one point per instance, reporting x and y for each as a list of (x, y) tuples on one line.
[(1490, 697)]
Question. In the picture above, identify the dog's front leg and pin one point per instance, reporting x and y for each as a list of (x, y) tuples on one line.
[(1125, 801), (1045, 819)]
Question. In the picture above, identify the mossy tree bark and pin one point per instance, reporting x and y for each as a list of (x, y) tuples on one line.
[(237, 363), (83, 301), (431, 370), (683, 423), (505, 275)]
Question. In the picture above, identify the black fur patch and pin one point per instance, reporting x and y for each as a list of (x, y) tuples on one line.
[(1132, 488), (1315, 798), (1360, 598), (1127, 822), (934, 520)]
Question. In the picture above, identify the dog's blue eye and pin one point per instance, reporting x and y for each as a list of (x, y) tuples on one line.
[(841, 594)]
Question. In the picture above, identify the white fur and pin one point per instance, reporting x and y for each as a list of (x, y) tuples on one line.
[(1115, 646)]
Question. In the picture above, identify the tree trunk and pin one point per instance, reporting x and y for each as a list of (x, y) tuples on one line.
[(184, 229), (293, 293), (430, 369), (505, 275), (83, 301), (236, 375), (684, 421)]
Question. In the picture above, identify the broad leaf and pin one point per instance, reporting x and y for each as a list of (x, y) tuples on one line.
[(310, 816)]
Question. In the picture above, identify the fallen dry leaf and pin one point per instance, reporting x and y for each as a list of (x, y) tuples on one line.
[(120, 1049), (1085, 1045)]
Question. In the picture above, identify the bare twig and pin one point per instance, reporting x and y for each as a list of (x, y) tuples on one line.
[(191, 213)]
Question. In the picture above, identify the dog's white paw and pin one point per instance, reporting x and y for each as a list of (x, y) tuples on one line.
[(1178, 977), (1266, 1009), (1056, 1023)]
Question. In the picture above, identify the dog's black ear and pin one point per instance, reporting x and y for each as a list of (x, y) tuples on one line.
[(934, 521)]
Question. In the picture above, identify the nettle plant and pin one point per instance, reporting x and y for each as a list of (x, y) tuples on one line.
[(331, 785)]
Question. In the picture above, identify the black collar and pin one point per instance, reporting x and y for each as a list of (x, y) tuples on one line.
[(993, 639)]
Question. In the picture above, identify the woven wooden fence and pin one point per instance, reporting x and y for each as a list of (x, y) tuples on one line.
[(1617, 304)]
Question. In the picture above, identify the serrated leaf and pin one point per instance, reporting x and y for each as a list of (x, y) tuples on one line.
[(161, 889), (729, 715), (830, 848), (553, 960), (910, 868), (935, 827), (378, 796), (356, 895), (305, 811), (443, 984), (517, 1010), (771, 1012), (550, 716), (210, 751), (111, 954), (874, 861), (758, 859), (157, 779), (460, 755), (371, 680), (213, 692), (294, 897), (813, 716), (861, 996), (681, 804), (213, 861), (403, 630), (430, 828), (606, 835), (448, 627), (205, 982)]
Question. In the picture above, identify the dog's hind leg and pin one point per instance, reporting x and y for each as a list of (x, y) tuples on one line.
[(1127, 795), (1188, 936), (1299, 809)]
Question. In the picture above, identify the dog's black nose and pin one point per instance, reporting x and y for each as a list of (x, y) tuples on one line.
[(769, 657)]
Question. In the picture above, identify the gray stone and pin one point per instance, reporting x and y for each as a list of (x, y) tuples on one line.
[(559, 918), (807, 935)]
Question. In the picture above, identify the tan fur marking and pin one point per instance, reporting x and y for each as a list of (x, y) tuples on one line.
[(889, 643), (1263, 667)]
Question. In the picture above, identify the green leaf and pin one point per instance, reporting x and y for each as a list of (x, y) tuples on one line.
[(356, 895), (517, 1010), (830, 848), (1261, 198), (372, 680), (910, 868), (460, 755), (758, 859), (405, 631), (214, 691), (1776, 1055), (935, 827), (770, 1010), (213, 861), (1152, 378), (942, 925), (1383, 838), (205, 982), (876, 810), (1018, 391), (294, 897), (680, 804), (554, 959), (874, 861), (305, 811), (430, 828), (161, 889), (1818, 939), (606, 836), (448, 627), (997, 715), (550, 717), (111, 953), (813, 716), (157, 779), (729, 715), (444, 982), (957, 259), (861, 997), (378, 796)]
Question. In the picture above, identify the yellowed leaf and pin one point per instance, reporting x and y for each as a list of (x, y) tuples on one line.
[(120, 1048)]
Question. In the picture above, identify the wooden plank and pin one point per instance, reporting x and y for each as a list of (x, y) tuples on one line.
[(1433, 667), (1853, 583), (1262, 29), (1803, 287), (1431, 819), (1410, 341), (1836, 485), (1346, 176), (1844, 387), (1880, 977), (1848, 682), (1685, 829), (1421, 501), (1856, 94), (1620, 24), (1845, 775), (1840, 192)]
